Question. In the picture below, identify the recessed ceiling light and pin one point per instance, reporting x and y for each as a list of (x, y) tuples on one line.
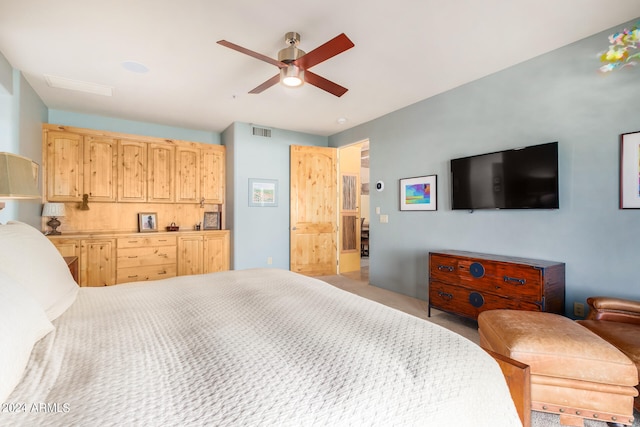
[(77, 85), (341, 120), (135, 67)]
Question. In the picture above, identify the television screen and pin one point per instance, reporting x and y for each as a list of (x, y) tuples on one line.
[(524, 178)]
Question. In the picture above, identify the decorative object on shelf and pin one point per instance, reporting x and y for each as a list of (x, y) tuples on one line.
[(263, 192), (623, 50), (53, 210), (18, 178), (147, 222), (85, 203), (173, 227), (630, 170), (419, 193), (212, 221)]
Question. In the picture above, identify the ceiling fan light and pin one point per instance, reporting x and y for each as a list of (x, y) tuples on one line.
[(292, 76)]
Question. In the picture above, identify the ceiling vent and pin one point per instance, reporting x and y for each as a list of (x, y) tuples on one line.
[(257, 131)]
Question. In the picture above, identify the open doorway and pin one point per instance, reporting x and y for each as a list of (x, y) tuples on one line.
[(354, 213)]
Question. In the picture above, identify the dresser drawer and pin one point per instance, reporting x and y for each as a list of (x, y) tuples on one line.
[(142, 241), (139, 257), (153, 272), (470, 303)]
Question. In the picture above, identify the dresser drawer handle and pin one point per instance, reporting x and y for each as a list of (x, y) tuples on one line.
[(445, 268), (132, 241), (162, 272), (445, 295), (132, 277), (514, 280), (132, 256), (162, 240)]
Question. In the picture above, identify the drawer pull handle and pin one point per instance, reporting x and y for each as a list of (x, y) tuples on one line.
[(132, 277), (445, 268), (132, 241), (162, 272), (162, 240), (132, 256), (445, 295), (514, 280)]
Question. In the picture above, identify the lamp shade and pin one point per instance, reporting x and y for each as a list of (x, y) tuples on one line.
[(53, 209), (18, 177)]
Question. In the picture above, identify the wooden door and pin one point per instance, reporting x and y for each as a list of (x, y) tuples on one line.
[(188, 174), (64, 166), (100, 168), (349, 235), (313, 215), (132, 171), (161, 167), (212, 173)]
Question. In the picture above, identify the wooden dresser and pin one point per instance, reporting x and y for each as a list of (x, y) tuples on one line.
[(467, 283)]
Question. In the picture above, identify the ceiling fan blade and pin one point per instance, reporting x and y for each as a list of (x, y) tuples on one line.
[(328, 50), (266, 85), (252, 53), (324, 84)]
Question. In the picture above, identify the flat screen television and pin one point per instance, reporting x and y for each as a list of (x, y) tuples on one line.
[(521, 178)]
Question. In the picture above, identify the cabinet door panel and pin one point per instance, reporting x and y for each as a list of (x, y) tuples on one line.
[(161, 173), (190, 255), (188, 165), (213, 174), (97, 262), (100, 171), (132, 171), (216, 253), (64, 166)]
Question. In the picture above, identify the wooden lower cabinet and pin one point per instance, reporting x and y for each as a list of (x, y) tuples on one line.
[(106, 260), (97, 262), (468, 283)]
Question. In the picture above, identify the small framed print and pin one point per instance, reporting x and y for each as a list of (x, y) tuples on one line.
[(147, 222), (263, 192), (212, 221), (630, 170), (419, 193)]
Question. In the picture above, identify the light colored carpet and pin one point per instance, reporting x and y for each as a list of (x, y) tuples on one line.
[(357, 283)]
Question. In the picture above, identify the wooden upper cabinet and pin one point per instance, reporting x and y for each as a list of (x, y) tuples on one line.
[(188, 174), (132, 171), (64, 166), (100, 168), (212, 161), (161, 173)]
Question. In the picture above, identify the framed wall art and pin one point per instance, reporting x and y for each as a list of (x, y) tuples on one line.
[(212, 221), (630, 170), (263, 192), (419, 193), (147, 221)]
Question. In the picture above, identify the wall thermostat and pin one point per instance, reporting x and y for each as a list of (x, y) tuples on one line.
[(379, 185)]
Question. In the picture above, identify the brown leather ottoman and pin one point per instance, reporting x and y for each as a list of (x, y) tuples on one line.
[(574, 372)]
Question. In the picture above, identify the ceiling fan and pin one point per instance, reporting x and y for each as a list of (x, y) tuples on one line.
[(294, 63)]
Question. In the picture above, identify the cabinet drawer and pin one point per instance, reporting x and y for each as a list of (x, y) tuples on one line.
[(470, 303), (506, 279), (154, 272), (138, 242), (138, 257)]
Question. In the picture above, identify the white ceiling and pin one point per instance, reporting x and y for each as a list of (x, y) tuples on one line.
[(405, 51)]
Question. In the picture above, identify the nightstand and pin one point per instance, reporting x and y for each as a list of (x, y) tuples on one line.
[(72, 263)]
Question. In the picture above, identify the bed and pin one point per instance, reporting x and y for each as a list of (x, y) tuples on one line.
[(237, 348)]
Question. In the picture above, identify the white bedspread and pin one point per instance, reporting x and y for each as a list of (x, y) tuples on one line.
[(253, 347)]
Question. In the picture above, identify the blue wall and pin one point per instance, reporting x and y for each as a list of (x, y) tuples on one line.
[(111, 124), (559, 96), (261, 232)]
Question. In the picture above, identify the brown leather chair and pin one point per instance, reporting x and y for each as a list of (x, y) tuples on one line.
[(617, 321)]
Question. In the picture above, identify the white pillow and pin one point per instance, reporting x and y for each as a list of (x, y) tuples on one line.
[(22, 323), (30, 259)]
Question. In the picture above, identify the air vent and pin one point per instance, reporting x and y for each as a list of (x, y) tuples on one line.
[(261, 132)]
